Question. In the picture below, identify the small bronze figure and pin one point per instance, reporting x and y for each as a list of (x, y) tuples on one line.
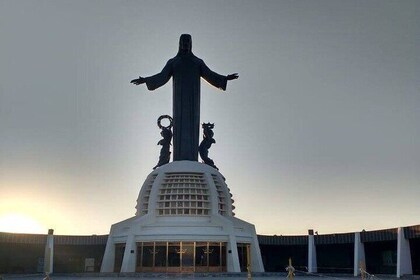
[(205, 145), (166, 133)]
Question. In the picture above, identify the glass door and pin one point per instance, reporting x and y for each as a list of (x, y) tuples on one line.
[(187, 256), (174, 256), (244, 256)]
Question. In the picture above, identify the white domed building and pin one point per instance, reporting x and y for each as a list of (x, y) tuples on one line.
[(184, 223)]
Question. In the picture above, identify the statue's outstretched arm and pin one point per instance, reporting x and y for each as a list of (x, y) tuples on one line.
[(215, 79), (158, 80)]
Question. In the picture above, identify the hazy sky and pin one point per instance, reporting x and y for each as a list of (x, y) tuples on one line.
[(321, 130)]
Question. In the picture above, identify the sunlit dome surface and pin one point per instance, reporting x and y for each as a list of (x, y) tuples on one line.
[(185, 188)]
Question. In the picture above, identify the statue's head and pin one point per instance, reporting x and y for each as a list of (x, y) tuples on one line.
[(185, 43)]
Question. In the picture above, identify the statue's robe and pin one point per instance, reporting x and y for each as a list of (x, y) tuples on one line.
[(186, 70)]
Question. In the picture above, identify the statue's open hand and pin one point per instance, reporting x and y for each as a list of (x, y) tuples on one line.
[(232, 76), (138, 81)]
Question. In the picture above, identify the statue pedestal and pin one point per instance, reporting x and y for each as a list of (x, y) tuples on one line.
[(184, 223)]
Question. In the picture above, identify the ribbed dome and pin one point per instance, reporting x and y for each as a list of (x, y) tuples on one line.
[(185, 188)]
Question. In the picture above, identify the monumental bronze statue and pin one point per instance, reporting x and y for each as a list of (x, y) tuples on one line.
[(165, 142), (205, 145), (186, 70)]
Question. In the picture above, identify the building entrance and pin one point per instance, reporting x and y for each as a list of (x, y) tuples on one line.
[(182, 256)]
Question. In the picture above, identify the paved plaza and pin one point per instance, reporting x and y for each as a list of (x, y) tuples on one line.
[(236, 276)]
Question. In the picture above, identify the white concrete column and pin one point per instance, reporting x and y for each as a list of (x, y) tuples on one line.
[(233, 256), (256, 259), (49, 252), (108, 261), (404, 265), (130, 255), (359, 253), (312, 264)]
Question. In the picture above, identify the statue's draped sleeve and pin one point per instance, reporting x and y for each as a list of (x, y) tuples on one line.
[(158, 80), (213, 78)]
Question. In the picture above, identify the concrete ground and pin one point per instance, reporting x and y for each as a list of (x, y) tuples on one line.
[(237, 276)]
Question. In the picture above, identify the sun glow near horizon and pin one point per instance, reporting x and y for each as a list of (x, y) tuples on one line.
[(20, 223)]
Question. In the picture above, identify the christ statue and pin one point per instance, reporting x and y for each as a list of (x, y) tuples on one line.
[(186, 70)]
